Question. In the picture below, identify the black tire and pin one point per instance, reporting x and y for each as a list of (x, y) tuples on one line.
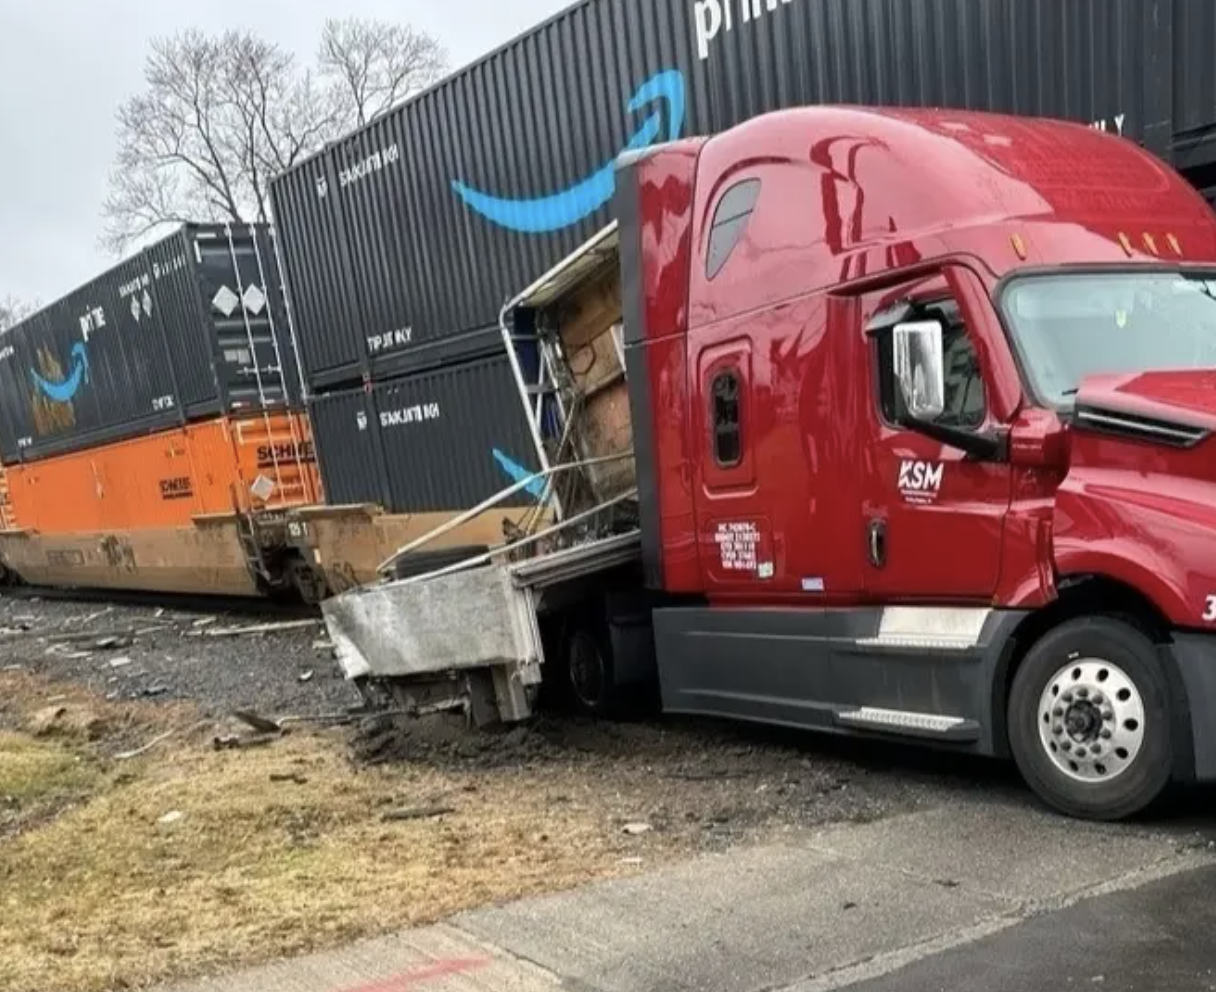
[(590, 678), (1147, 775)]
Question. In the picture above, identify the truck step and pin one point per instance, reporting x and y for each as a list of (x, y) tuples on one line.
[(946, 728)]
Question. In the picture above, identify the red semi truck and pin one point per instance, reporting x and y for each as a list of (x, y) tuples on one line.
[(881, 422)]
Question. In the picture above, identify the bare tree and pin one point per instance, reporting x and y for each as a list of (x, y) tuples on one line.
[(377, 65), (222, 115), (13, 311)]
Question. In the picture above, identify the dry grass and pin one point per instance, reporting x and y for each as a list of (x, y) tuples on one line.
[(38, 777), (277, 850)]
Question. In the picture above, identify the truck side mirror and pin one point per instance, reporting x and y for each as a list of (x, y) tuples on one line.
[(920, 368)]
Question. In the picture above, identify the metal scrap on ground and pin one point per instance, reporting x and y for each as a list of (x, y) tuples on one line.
[(264, 628)]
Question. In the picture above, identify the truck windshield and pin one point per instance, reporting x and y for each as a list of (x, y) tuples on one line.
[(1069, 326)]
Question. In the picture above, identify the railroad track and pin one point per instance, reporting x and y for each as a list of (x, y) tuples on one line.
[(178, 602)]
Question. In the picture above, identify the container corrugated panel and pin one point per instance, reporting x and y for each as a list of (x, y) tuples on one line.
[(161, 480), (242, 295), (351, 461), (87, 368), (1190, 29), (440, 441), (417, 228), (190, 327)]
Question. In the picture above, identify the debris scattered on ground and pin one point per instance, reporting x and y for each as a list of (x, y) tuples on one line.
[(157, 741), (417, 813), (176, 816), (171, 660), (307, 676), (636, 829), (121, 662), (258, 723), (264, 628), (322, 645), (233, 742)]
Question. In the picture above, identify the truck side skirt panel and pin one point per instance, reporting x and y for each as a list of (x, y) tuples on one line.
[(923, 672)]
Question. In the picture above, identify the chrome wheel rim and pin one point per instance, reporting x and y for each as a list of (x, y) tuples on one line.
[(1091, 721)]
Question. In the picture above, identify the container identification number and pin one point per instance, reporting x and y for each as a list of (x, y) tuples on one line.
[(163, 403), (400, 338), (358, 171), (410, 415)]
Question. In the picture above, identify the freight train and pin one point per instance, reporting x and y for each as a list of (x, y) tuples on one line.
[(266, 411)]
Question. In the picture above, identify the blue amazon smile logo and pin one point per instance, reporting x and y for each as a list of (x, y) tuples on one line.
[(66, 388), (556, 211)]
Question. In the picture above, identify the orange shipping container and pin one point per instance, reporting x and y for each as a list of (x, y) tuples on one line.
[(169, 479)]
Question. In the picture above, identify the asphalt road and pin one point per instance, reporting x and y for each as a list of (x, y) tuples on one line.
[(1159, 938)]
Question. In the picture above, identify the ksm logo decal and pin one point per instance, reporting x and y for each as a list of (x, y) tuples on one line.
[(66, 388), (559, 210)]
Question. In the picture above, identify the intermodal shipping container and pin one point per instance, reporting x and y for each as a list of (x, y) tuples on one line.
[(192, 327), (438, 441), (168, 479), (403, 240)]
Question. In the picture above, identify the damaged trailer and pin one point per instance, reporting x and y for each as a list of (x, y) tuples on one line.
[(564, 588)]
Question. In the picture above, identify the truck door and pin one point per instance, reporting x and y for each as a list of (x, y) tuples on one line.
[(933, 516), (776, 426)]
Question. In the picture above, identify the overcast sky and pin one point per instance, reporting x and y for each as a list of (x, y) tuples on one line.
[(66, 65)]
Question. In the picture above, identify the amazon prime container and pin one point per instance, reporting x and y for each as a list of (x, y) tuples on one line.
[(192, 327), (403, 239), (433, 442)]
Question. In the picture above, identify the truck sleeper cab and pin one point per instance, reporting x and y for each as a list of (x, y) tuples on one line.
[(922, 404)]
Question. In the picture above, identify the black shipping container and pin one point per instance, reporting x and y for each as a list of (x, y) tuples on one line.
[(192, 327), (412, 232), (434, 442)]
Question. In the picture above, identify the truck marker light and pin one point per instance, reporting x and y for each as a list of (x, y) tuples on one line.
[(1019, 246), (1126, 242), (1174, 244), (1150, 242)]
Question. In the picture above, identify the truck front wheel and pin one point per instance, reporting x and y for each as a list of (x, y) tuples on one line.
[(1089, 720)]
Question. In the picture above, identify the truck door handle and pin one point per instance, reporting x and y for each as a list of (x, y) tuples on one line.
[(878, 543)]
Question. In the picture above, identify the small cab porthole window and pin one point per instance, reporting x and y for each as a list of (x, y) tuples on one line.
[(730, 221), (727, 422)]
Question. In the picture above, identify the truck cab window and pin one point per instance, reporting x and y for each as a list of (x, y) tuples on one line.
[(966, 403), (730, 221), (726, 422)]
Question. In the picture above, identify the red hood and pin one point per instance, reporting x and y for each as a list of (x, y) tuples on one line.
[(1186, 397), (1138, 503)]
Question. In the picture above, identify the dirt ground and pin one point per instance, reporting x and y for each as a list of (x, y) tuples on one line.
[(220, 846)]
